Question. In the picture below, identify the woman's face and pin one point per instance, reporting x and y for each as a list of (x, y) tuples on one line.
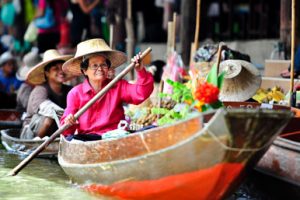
[(55, 73), (97, 69)]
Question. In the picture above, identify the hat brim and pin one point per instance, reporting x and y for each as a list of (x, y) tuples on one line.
[(116, 58), (6, 60), (36, 75)]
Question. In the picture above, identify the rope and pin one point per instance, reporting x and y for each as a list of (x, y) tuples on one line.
[(236, 149)]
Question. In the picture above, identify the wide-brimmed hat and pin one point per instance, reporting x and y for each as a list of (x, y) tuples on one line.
[(29, 60), (5, 57), (36, 75), (242, 80), (89, 47)]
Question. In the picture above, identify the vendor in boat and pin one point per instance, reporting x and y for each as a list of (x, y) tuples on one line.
[(29, 60), (96, 61), (48, 98), (9, 84)]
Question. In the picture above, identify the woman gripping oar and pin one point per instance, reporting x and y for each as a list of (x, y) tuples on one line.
[(96, 61)]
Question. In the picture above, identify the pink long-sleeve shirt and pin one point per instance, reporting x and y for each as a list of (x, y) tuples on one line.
[(105, 114)]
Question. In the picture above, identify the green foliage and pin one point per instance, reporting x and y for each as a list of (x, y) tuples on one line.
[(181, 92), (214, 78)]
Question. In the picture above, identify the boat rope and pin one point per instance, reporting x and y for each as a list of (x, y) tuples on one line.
[(144, 142), (237, 149)]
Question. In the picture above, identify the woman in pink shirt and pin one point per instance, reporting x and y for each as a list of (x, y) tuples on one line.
[(96, 61)]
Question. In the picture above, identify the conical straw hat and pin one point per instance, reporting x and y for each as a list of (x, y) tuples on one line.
[(242, 80), (36, 75), (89, 47)]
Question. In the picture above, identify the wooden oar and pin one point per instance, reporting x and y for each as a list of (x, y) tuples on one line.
[(23, 164)]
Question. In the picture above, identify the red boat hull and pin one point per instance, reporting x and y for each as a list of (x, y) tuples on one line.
[(211, 183)]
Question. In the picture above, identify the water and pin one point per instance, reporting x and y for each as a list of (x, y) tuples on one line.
[(44, 179), (41, 179)]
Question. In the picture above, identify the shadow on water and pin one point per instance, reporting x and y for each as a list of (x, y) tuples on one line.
[(258, 186)]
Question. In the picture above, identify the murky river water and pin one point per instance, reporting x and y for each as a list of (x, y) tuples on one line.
[(41, 179)]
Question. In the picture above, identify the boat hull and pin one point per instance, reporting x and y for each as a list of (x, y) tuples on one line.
[(282, 160), (12, 143), (10, 118), (201, 162)]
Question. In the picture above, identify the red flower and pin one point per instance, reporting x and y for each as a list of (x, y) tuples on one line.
[(206, 92)]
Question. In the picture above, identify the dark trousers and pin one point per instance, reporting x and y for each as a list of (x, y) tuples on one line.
[(84, 137), (46, 41)]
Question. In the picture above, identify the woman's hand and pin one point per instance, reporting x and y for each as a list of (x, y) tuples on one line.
[(138, 64), (70, 119)]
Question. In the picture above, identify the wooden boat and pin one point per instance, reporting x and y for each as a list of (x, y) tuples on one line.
[(282, 159), (292, 126), (12, 143), (10, 118), (190, 159)]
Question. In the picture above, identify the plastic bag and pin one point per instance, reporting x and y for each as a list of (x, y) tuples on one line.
[(31, 33)]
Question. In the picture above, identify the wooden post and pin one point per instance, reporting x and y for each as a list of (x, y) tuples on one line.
[(171, 41), (174, 30), (187, 30), (219, 54), (130, 35), (285, 24), (111, 36), (170, 45), (194, 45), (293, 27)]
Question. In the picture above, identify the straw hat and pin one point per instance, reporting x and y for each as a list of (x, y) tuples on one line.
[(36, 74), (5, 57), (89, 47), (30, 60), (242, 79)]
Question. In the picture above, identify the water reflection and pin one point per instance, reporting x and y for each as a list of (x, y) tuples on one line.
[(41, 179)]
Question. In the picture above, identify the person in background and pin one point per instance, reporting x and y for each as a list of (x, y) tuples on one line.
[(30, 59), (81, 19), (49, 38), (48, 96), (9, 84), (97, 61), (286, 73)]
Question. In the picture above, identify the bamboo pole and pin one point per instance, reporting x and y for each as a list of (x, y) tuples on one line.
[(64, 127), (111, 36), (293, 24), (219, 54), (174, 30), (130, 35), (171, 40), (194, 45)]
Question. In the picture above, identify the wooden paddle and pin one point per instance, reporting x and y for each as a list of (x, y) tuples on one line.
[(61, 129)]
